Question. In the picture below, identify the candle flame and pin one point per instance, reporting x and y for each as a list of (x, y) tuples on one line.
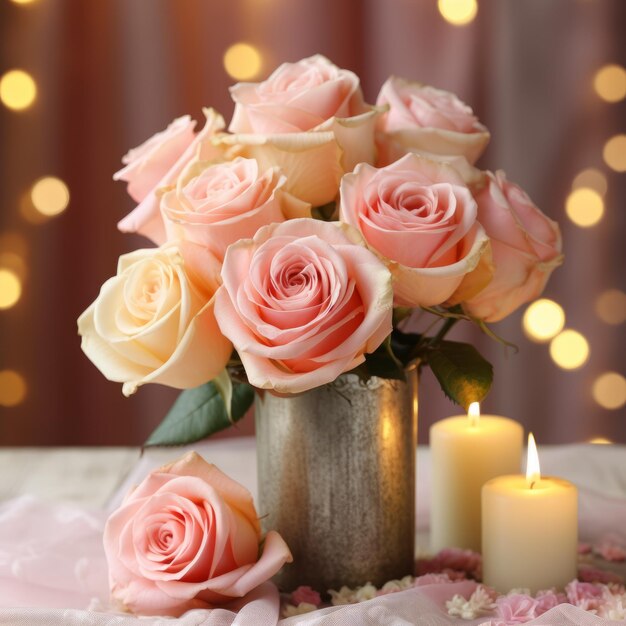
[(473, 413), (533, 473)]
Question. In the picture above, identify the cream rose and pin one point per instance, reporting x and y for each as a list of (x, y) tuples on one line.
[(424, 119), (526, 247), (217, 204), (309, 119), (420, 217), (157, 163), (154, 322), (187, 537), (302, 303)]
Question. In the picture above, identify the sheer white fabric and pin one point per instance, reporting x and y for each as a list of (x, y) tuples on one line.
[(53, 569)]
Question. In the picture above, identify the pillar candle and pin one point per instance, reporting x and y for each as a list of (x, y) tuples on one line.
[(467, 451), (530, 530)]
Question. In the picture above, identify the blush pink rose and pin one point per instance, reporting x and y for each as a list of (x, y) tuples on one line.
[(217, 204), (525, 245), (309, 119), (516, 608), (424, 119), (296, 97), (420, 217), (187, 537), (302, 303), (157, 163)]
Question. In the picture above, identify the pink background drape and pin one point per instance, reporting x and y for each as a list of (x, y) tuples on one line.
[(111, 73)]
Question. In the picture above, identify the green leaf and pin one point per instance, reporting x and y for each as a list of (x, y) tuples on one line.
[(200, 412), (382, 363), (464, 375)]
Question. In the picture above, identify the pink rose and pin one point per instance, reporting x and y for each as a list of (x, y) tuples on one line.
[(303, 303), (154, 322), (516, 608), (420, 217), (309, 119), (157, 163), (217, 204), (425, 119), (525, 245), (296, 97), (187, 537)]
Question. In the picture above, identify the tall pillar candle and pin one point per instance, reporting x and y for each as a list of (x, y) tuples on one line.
[(530, 530), (467, 451)]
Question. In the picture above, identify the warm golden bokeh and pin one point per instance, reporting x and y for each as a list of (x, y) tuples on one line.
[(50, 196), (614, 153), (611, 307), (610, 82), (10, 288), (458, 12), (609, 390), (585, 207), (591, 178), (569, 350), (12, 388), (17, 90), (543, 320), (242, 61)]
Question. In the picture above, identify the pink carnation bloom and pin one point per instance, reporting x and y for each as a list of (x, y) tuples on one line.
[(518, 608), (589, 574), (432, 579), (612, 548), (305, 594), (586, 596), (548, 599)]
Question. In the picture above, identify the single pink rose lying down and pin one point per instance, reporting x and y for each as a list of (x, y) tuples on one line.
[(187, 537)]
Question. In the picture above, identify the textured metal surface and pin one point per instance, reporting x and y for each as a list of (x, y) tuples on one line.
[(337, 480)]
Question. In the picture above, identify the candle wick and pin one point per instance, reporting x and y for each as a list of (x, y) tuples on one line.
[(532, 484)]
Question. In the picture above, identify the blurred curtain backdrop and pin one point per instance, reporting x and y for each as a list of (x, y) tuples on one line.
[(110, 73)]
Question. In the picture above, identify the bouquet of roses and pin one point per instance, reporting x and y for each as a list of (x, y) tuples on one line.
[(305, 242)]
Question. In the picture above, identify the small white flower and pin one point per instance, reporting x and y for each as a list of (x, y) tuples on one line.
[(344, 596), (398, 585), (613, 607), (523, 591), (366, 592), (289, 610), (479, 603)]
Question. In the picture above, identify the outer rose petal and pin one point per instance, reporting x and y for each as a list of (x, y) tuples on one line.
[(145, 218), (526, 247), (312, 161)]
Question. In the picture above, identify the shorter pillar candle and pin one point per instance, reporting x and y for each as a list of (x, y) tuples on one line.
[(530, 530), (467, 451)]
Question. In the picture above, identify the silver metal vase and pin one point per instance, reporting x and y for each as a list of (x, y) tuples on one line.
[(336, 470)]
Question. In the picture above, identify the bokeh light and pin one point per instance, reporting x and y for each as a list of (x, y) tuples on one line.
[(591, 178), (17, 90), (10, 288), (609, 390), (610, 83), (50, 196), (242, 61), (611, 307), (12, 388), (543, 319), (600, 441), (569, 350), (13, 262), (23, 1), (585, 207), (458, 12), (614, 153)]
